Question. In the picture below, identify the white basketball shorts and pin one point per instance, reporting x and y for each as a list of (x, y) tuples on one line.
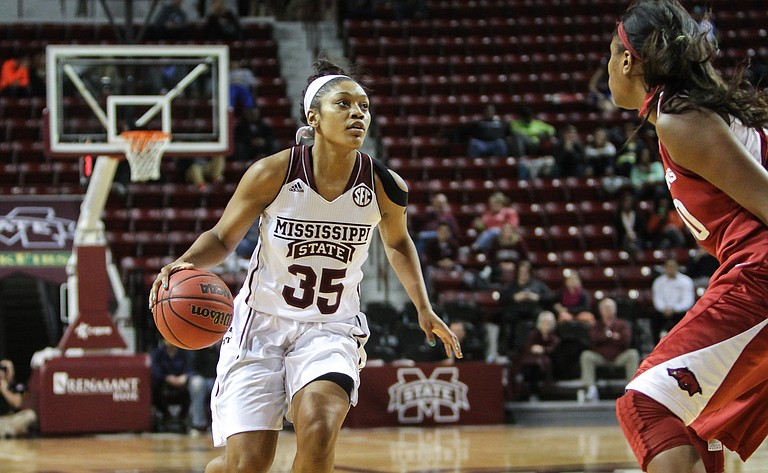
[(265, 360)]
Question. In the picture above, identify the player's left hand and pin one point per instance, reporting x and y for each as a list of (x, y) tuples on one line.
[(433, 325)]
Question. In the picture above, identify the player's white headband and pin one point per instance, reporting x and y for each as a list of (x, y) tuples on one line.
[(315, 86), (307, 132)]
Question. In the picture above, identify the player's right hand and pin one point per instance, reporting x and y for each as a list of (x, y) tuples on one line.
[(162, 278)]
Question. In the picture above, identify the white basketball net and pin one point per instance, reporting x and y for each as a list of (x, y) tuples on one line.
[(144, 151)]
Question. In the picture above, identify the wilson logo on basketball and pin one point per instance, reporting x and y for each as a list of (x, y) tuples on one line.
[(217, 317), (215, 289)]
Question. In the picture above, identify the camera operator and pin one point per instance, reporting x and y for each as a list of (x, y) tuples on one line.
[(13, 420)]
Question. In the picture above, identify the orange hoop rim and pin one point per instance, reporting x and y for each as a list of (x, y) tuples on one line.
[(140, 138)]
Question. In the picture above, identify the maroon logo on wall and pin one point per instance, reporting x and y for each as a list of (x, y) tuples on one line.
[(50, 226)]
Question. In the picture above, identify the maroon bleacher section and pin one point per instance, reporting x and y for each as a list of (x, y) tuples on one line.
[(151, 222), (432, 75)]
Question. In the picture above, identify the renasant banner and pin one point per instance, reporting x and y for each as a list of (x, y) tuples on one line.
[(36, 235)]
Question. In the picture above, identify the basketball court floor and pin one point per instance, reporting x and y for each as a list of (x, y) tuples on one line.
[(494, 449)]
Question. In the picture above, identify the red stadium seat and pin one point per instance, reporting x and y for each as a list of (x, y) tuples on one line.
[(565, 237), (562, 213), (598, 237)]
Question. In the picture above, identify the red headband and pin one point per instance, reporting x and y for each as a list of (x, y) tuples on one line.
[(625, 40)]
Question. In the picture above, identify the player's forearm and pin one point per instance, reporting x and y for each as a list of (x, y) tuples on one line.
[(405, 262), (206, 252)]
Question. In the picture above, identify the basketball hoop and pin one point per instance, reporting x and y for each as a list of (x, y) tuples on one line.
[(144, 150)]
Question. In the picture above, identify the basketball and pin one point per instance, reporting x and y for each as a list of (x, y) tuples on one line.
[(195, 311)]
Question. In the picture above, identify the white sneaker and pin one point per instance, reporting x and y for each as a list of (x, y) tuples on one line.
[(592, 394)]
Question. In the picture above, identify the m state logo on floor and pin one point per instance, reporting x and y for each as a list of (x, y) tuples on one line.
[(440, 396)]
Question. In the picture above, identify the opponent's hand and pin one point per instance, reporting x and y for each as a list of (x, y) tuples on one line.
[(162, 278), (433, 325)]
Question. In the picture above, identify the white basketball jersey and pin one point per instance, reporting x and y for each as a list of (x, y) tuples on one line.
[(308, 263)]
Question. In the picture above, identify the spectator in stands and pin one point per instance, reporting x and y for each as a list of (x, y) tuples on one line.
[(524, 298), (599, 93), (253, 137), (520, 301), (14, 421), (529, 133), (14, 76), (701, 16), (612, 183), (425, 223), (572, 298), (574, 339), (202, 172), (171, 21), (170, 367), (673, 294), (633, 146), (536, 359), (201, 380), (599, 153), (631, 224), (488, 136), (242, 84), (647, 177), (221, 23), (507, 251), (665, 226), (440, 253), (489, 224), (569, 153), (610, 344), (701, 267)]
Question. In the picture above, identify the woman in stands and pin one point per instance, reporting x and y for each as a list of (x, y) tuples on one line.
[(295, 346), (705, 384)]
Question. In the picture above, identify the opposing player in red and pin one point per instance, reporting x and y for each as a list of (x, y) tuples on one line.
[(705, 385), (295, 346)]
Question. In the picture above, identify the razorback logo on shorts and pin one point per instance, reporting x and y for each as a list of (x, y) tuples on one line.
[(686, 380)]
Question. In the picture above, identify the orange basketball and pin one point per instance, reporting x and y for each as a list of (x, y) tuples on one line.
[(195, 311)]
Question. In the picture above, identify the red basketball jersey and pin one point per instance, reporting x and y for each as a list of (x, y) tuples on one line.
[(726, 229)]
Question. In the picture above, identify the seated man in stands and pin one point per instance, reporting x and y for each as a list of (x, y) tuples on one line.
[(610, 345), (488, 136), (170, 368)]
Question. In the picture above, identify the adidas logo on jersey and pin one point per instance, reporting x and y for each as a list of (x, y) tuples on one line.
[(296, 187)]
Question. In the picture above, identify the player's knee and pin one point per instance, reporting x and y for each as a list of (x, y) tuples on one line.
[(319, 433), (649, 427)]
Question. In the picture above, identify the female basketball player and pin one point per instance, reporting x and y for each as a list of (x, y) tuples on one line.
[(295, 345), (705, 384)]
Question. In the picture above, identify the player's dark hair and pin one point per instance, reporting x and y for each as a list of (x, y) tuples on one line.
[(678, 58), (323, 67)]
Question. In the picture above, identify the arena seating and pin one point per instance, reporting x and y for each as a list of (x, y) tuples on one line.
[(428, 78)]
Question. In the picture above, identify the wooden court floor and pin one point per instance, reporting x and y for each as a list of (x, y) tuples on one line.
[(496, 449)]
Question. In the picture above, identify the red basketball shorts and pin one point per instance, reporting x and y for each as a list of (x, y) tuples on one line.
[(711, 370)]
